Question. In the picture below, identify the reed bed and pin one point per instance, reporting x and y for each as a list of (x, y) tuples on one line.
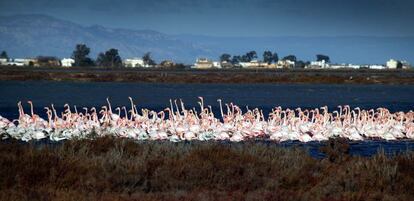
[(121, 169)]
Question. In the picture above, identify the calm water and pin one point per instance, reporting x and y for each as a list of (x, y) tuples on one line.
[(156, 96), (264, 96)]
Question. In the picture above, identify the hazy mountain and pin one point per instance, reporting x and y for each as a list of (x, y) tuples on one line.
[(33, 35)]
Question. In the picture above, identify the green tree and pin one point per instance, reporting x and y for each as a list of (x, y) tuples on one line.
[(245, 58), (110, 58), (275, 57), (179, 66), (251, 55), (290, 57), (225, 57), (267, 57), (320, 57), (236, 59), (148, 59), (399, 65), (3, 55), (80, 55)]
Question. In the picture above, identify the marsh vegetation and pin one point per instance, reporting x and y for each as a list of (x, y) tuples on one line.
[(121, 169)]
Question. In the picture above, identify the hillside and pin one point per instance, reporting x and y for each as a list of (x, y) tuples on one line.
[(32, 35)]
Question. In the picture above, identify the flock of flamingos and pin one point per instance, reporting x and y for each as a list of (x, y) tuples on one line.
[(177, 123)]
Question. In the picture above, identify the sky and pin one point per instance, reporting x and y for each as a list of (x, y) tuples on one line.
[(233, 17)]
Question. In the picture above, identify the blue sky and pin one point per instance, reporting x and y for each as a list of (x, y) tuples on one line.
[(233, 17)]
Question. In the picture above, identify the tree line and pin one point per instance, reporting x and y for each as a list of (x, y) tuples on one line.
[(268, 57), (110, 58)]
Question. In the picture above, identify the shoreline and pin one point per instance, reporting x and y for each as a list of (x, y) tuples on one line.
[(236, 76)]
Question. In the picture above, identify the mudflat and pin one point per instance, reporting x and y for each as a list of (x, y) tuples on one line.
[(93, 74)]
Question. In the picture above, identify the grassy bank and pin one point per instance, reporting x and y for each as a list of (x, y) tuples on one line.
[(209, 76), (116, 169)]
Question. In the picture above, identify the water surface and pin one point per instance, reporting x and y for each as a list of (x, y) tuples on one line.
[(156, 96), (264, 96)]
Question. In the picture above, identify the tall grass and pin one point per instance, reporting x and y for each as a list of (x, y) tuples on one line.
[(119, 169)]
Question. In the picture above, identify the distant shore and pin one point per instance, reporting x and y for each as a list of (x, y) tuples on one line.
[(339, 76)]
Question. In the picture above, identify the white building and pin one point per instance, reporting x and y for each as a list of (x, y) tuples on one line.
[(406, 65), (250, 64), (134, 62), (392, 64), (67, 62), (226, 64), (216, 64), (354, 66), (338, 66), (25, 62), (254, 64), (319, 64), (203, 63), (378, 67), (13, 63), (3, 61), (285, 63), (16, 62)]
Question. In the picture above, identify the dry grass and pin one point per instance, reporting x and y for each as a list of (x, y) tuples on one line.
[(116, 169)]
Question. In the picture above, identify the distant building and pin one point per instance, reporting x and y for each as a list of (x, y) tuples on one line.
[(272, 65), (216, 64), (46, 61), (67, 62), (338, 66), (284, 63), (342, 66), (203, 63), (3, 61), (406, 65), (319, 64), (13, 63), (378, 67), (250, 64), (167, 64), (226, 64), (253, 64), (354, 66), (134, 62), (26, 62), (393, 64), (17, 62)]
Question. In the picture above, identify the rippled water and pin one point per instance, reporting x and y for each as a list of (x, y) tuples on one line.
[(264, 96), (156, 96)]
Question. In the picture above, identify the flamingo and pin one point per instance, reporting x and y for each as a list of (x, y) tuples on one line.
[(180, 123)]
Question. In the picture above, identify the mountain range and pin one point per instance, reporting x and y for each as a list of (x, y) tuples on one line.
[(35, 35)]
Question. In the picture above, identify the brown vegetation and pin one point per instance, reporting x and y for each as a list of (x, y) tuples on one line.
[(209, 76), (120, 169)]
